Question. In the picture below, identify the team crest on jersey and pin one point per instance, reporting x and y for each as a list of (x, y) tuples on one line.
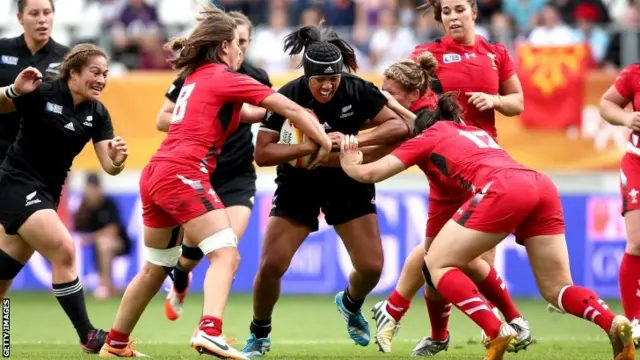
[(492, 57), (450, 58), (8, 60), (53, 68)]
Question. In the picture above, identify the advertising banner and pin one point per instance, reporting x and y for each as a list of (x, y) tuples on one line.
[(595, 236)]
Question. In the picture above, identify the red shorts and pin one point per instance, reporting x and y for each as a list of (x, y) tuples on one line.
[(524, 203), (441, 211), (172, 195), (630, 182)]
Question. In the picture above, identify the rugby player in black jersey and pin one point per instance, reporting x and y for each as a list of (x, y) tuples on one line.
[(234, 178), (35, 48), (59, 117), (344, 104)]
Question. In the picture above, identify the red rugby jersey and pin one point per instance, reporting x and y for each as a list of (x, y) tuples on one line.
[(481, 67), (462, 153), (206, 112), (628, 85)]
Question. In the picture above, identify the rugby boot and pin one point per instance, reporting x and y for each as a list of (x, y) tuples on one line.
[(95, 341), (255, 347), (499, 346), (635, 326), (521, 326), (484, 340), (357, 326), (109, 351), (174, 302), (215, 346), (621, 337), (429, 347), (387, 327)]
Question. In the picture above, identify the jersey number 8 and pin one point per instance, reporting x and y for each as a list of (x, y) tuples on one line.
[(181, 103), (481, 139)]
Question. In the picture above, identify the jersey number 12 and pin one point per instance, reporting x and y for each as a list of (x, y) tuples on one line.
[(181, 103), (481, 139)]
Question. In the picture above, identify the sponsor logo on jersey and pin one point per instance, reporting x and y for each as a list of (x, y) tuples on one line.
[(8, 60), (450, 58), (54, 108)]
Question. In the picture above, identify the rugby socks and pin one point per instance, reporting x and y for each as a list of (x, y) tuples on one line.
[(629, 280), (353, 306), (260, 328), (211, 325), (71, 297), (117, 339), (457, 288), (180, 278), (439, 311), (495, 291), (397, 305), (584, 303)]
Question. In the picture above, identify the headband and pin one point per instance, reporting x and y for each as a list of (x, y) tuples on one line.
[(321, 68)]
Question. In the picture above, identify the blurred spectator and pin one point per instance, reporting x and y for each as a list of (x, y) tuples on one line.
[(311, 16), (523, 11), (486, 8), (98, 219), (624, 40), (368, 11), (390, 42), (111, 10), (337, 13), (254, 9), (587, 31), (267, 51), (426, 29), (502, 29), (551, 30), (566, 9), (136, 32)]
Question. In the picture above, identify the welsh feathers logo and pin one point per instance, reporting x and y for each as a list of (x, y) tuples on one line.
[(550, 68)]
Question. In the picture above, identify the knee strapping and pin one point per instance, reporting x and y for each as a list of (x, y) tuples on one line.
[(191, 252), (427, 275), (164, 257), (221, 239), (9, 267)]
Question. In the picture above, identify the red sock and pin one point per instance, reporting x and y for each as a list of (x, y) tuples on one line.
[(495, 291), (584, 303), (439, 311), (212, 326), (457, 288), (629, 280), (117, 339), (397, 305)]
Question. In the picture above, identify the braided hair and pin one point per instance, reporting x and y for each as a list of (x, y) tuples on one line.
[(448, 109), (325, 53)]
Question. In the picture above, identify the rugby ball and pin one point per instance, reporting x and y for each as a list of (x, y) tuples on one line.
[(290, 135)]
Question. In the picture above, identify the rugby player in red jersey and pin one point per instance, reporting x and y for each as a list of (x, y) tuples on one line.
[(405, 82), (482, 74), (175, 188), (625, 91), (507, 198)]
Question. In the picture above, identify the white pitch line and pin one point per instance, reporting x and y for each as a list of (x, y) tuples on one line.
[(316, 342)]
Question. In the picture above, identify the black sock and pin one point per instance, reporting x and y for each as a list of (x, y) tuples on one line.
[(260, 328), (180, 278), (352, 305), (71, 298)]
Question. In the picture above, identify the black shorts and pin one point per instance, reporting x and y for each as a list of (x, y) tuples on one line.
[(237, 188), (20, 197), (341, 201)]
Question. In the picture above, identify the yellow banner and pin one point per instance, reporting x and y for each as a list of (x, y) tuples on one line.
[(135, 99)]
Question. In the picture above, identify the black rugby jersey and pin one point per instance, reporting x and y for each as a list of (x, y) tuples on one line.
[(15, 56), (53, 133), (355, 102), (237, 152)]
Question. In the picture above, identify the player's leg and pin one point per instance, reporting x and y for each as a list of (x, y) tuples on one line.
[(44, 231), (14, 254), (237, 194), (629, 277), (291, 221)]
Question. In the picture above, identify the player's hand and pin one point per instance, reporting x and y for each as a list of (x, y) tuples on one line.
[(336, 139), (27, 81), (350, 154), (118, 151), (482, 101), (632, 121)]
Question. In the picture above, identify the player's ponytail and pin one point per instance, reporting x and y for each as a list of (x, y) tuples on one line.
[(448, 110), (428, 63), (323, 48)]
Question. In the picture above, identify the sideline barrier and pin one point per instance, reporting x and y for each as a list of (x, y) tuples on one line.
[(135, 99)]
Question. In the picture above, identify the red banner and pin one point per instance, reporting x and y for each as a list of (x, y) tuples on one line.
[(553, 80)]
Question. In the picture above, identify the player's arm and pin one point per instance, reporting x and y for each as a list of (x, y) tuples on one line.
[(163, 120), (369, 154), (111, 150), (27, 82), (510, 101), (351, 160), (615, 100), (268, 152), (252, 114), (389, 129)]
